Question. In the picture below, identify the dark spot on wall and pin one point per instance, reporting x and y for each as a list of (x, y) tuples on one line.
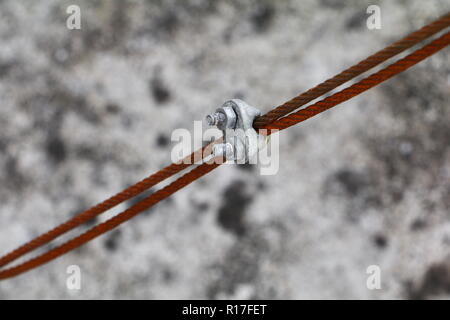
[(436, 281), (98, 176), (94, 39), (418, 145), (227, 35), (357, 20), (6, 67), (394, 163), (358, 188), (202, 206), (241, 265), (109, 35), (119, 22), (262, 17), (98, 154), (168, 201), (3, 144), (45, 116), (112, 241), (334, 4), (50, 107), (429, 205), (351, 181), (167, 23), (127, 121), (14, 179), (168, 275), (380, 241), (112, 108), (261, 186), (162, 140), (239, 95), (446, 198), (87, 152), (159, 91), (396, 194), (246, 167), (232, 210), (56, 149), (418, 224)]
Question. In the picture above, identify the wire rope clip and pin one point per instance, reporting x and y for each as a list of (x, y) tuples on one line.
[(241, 141)]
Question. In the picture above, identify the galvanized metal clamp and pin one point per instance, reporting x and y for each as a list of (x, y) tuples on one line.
[(241, 141)]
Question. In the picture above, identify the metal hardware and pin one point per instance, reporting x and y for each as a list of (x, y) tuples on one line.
[(235, 118)]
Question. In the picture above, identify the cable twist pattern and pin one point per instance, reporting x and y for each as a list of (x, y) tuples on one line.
[(361, 86), (279, 118), (354, 71), (110, 224)]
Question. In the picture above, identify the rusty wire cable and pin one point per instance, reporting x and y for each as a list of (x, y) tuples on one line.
[(266, 122), (89, 214), (354, 71), (113, 201), (110, 224), (362, 85)]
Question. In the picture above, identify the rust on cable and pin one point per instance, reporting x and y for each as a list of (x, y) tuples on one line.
[(102, 207), (354, 71), (362, 85), (110, 224), (279, 118)]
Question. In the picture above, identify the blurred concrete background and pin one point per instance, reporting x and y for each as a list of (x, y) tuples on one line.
[(85, 113)]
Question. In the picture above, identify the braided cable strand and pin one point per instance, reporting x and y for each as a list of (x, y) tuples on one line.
[(361, 86), (89, 214), (110, 224), (354, 71), (113, 201), (264, 122)]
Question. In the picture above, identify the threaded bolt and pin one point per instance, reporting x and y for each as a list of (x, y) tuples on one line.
[(215, 119)]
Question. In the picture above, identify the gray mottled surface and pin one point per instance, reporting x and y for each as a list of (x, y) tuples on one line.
[(85, 113)]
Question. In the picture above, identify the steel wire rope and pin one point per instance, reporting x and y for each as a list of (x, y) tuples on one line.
[(107, 204), (379, 57), (195, 173), (361, 86)]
